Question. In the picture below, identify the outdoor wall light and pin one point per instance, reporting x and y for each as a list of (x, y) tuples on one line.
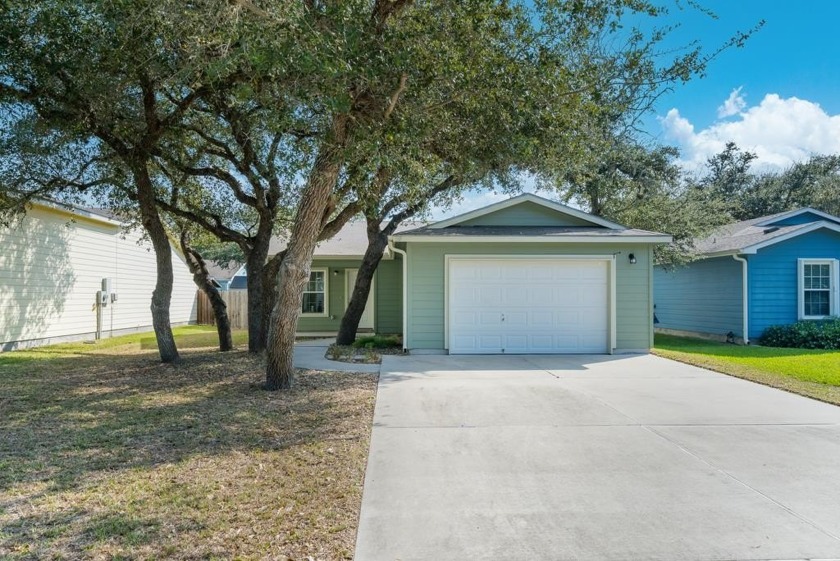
[(632, 258), (335, 272)]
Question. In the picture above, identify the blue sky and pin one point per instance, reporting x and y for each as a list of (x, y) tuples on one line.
[(783, 86), (795, 54), (778, 95)]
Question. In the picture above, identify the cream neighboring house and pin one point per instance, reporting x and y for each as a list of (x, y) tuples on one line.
[(53, 266)]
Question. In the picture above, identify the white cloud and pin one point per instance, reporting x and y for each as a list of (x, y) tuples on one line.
[(733, 105), (780, 131)]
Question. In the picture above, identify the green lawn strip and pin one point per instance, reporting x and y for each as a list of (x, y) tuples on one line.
[(812, 373), (106, 453)]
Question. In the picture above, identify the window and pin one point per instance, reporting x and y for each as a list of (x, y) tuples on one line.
[(315, 293), (817, 288)]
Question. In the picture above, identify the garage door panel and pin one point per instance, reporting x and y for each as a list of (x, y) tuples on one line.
[(490, 343), (516, 343), (466, 319), (549, 306), (489, 295), (541, 319), (516, 319), (490, 273)]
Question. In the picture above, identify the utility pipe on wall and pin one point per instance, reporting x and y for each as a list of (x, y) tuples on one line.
[(745, 297), (404, 292)]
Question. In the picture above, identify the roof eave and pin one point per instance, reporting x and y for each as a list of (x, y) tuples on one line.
[(533, 239)]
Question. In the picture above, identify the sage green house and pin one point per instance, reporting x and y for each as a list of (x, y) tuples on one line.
[(524, 276)]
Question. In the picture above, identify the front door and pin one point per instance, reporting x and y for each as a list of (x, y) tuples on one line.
[(367, 317)]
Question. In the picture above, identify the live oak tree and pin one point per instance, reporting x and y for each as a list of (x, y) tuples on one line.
[(201, 276), (396, 68), (538, 103), (731, 177), (233, 173)]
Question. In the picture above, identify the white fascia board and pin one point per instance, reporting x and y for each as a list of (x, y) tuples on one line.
[(75, 211), (519, 199), (727, 253), (533, 239), (794, 213), (749, 250)]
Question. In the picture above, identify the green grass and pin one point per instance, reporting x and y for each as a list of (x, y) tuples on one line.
[(105, 453), (814, 373)]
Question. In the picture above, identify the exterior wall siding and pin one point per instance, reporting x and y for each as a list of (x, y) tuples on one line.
[(426, 287), (773, 277), (804, 218), (387, 297), (526, 214), (51, 267), (703, 297)]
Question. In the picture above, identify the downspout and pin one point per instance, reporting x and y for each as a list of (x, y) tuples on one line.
[(745, 297), (393, 248)]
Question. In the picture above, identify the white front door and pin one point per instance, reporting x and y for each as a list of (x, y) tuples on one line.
[(528, 306), (350, 279)]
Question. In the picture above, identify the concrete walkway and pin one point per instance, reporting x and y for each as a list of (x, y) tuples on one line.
[(595, 458), (310, 354)]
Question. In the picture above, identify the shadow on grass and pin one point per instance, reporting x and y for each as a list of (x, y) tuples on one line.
[(67, 421)]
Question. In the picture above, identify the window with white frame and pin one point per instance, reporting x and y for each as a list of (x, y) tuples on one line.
[(315, 293), (818, 287)]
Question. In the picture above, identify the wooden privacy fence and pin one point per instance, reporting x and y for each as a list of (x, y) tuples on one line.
[(237, 308)]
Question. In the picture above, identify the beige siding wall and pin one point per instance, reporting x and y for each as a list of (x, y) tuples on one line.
[(51, 266)]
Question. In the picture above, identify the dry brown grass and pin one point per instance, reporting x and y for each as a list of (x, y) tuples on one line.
[(107, 454)]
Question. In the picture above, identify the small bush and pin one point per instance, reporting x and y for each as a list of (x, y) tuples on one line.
[(377, 342), (804, 335)]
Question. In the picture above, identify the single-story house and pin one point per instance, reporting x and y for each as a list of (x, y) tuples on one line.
[(223, 275), (68, 274), (526, 275), (773, 270)]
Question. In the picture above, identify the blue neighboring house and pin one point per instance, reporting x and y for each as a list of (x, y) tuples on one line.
[(773, 270)]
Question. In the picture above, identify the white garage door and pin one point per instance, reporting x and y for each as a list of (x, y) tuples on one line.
[(528, 306)]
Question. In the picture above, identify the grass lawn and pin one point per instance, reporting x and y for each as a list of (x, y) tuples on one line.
[(107, 454), (812, 373)]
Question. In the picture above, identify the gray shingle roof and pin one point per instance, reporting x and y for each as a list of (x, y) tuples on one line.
[(737, 236), (351, 240)]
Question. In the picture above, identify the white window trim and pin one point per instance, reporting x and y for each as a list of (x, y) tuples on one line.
[(800, 286), (326, 312)]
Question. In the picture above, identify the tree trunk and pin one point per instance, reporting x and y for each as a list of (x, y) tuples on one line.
[(162, 294), (271, 273), (377, 242), (257, 308), (296, 265), (201, 277)]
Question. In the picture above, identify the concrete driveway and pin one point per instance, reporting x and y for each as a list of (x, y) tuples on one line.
[(633, 457)]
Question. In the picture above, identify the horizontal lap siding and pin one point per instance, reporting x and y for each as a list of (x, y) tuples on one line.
[(387, 296), (337, 301), (51, 268), (704, 297), (774, 277), (426, 286), (531, 214)]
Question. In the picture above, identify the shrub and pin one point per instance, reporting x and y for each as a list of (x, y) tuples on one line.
[(804, 335), (377, 342)]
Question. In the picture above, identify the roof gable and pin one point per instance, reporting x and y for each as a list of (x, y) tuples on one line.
[(800, 216), (748, 236), (527, 210), (526, 213)]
